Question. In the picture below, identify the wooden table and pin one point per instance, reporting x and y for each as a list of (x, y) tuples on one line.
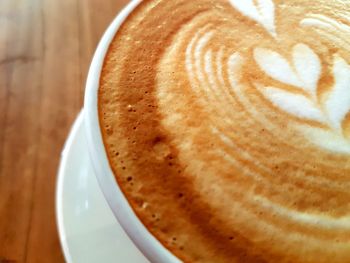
[(45, 50)]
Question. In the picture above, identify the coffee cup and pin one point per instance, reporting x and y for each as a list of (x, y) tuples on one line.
[(219, 130), (118, 203)]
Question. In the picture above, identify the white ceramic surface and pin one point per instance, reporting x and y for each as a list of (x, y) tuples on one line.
[(146, 242), (88, 230)]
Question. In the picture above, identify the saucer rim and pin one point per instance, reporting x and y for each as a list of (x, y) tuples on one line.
[(62, 233)]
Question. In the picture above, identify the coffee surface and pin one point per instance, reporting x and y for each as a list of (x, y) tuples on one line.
[(227, 126)]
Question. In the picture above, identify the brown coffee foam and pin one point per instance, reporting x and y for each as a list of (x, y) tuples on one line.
[(192, 160)]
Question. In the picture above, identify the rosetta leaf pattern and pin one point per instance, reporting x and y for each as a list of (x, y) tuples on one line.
[(261, 11), (293, 103), (276, 66), (307, 66), (327, 139), (304, 73), (338, 102)]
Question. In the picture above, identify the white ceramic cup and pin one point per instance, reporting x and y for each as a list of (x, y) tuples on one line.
[(138, 233)]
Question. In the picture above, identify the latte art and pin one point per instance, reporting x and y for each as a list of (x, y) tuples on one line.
[(227, 125)]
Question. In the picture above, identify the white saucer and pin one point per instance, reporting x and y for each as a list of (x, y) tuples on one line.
[(89, 232)]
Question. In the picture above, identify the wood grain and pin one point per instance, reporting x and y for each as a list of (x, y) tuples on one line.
[(45, 50)]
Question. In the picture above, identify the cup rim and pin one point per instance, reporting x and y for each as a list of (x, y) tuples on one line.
[(143, 239)]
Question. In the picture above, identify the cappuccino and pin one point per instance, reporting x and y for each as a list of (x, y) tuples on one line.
[(227, 126)]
